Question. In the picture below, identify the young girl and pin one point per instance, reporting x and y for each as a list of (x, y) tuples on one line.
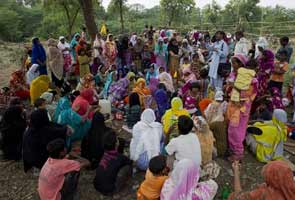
[(151, 73), (196, 65), (95, 66), (192, 98), (84, 61)]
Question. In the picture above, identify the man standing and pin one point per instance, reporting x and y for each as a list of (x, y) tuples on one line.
[(243, 45), (285, 46), (219, 55)]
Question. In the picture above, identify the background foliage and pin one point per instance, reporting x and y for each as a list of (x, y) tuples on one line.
[(20, 21)]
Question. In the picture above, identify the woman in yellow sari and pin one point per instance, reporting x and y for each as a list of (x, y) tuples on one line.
[(170, 118), (38, 86), (143, 91), (267, 139)]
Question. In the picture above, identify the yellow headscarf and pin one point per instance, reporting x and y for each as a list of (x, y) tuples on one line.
[(38, 86), (176, 111), (273, 134)]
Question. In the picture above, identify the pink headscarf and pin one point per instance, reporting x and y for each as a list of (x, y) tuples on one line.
[(83, 101), (188, 75)]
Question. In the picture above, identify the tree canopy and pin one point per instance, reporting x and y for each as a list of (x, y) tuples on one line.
[(20, 20)]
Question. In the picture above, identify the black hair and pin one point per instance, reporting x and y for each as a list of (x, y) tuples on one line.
[(204, 73), (110, 140), (65, 89), (238, 61), (157, 164), (162, 86), (284, 39), (29, 52), (55, 147), (252, 64), (283, 52), (185, 125), (15, 101), (80, 51), (222, 33), (185, 58), (38, 102), (134, 99), (240, 33), (152, 66), (196, 55), (74, 95), (195, 85)]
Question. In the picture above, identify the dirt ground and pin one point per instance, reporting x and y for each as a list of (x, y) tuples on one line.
[(16, 185)]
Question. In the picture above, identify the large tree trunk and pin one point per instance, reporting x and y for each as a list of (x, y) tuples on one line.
[(87, 8), (121, 16)]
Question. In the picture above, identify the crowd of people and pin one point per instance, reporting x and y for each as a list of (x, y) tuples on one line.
[(185, 99)]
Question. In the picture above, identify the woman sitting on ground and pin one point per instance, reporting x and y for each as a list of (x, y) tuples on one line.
[(134, 110), (215, 116), (183, 183), (279, 183), (82, 104), (12, 127), (114, 169), (146, 139), (40, 132), (92, 144), (170, 118), (266, 139)]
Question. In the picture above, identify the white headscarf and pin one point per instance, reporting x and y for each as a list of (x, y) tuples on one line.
[(32, 73), (262, 42), (280, 115), (133, 39), (48, 96), (146, 136)]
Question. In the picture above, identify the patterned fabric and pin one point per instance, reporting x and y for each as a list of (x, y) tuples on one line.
[(183, 184)]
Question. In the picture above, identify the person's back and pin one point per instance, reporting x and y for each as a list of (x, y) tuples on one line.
[(12, 126), (51, 185), (155, 178), (114, 168), (186, 145), (36, 138), (134, 110)]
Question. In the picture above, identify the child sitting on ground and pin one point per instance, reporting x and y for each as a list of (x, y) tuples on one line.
[(155, 177), (114, 169), (59, 176)]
